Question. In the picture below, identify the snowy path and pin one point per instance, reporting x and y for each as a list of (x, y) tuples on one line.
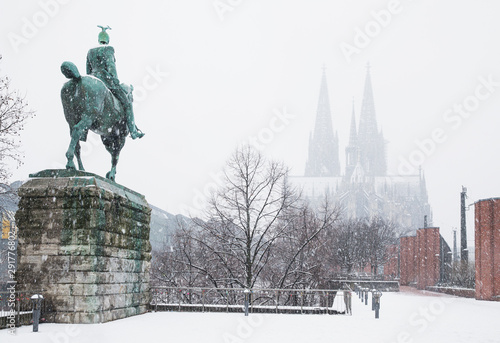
[(404, 317)]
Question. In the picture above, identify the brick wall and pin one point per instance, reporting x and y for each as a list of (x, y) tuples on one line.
[(407, 260), (428, 253), (420, 258), (487, 242), (391, 267)]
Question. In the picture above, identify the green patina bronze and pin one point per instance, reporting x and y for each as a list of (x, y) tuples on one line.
[(103, 35), (99, 103)]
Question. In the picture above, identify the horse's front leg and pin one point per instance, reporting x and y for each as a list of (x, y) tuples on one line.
[(77, 132)]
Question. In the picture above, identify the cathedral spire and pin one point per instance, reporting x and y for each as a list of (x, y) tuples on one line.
[(351, 151), (423, 185), (323, 126), (371, 141), (323, 159), (368, 119), (353, 135)]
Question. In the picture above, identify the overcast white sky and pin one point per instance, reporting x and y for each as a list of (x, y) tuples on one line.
[(210, 74)]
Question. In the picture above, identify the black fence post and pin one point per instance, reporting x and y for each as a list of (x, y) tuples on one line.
[(247, 293), (377, 295), (37, 305)]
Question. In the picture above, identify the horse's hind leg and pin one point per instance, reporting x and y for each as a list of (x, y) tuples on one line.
[(78, 157), (113, 146), (77, 132), (112, 173)]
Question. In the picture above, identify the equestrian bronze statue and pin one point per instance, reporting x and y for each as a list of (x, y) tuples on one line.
[(98, 102)]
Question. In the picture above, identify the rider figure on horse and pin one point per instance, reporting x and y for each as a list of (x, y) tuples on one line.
[(101, 64)]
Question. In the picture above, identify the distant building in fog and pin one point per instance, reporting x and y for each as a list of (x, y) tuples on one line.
[(364, 189)]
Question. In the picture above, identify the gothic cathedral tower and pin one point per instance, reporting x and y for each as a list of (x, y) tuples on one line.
[(370, 140), (365, 190), (323, 157)]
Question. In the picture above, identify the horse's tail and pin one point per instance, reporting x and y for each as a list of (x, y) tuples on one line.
[(70, 70)]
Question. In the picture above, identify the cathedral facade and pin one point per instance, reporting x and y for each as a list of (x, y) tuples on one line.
[(364, 189)]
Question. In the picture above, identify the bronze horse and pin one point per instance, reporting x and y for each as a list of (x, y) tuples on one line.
[(89, 105)]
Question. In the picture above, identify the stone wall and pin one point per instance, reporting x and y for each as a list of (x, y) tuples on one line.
[(84, 242), (459, 292), (487, 243)]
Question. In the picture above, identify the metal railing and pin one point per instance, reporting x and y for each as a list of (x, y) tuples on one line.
[(16, 308), (303, 301)]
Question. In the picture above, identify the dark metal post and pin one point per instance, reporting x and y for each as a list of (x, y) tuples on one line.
[(37, 306), (247, 293), (373, 299), (156, 294), (464, 254), (455, 251), (366, 296), (277, 300), (348, 303), (301, 302), (377, 295), (203, 299)]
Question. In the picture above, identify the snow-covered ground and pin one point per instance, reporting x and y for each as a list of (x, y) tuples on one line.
[(404, 317)]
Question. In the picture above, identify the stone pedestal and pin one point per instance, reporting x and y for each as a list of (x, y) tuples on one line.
[(83, 242)]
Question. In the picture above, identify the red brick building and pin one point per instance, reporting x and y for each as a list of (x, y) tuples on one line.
[(407, 260), (428, 253), (425, 259), (391, 267), (487, 242)]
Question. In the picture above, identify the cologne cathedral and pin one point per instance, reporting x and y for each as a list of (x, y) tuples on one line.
[(364, 188)]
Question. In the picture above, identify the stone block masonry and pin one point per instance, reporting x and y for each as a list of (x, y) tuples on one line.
[(487, 244), (83, 241)]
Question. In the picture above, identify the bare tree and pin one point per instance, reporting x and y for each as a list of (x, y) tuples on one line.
[(301, 257), (13, 115), (176, 265), (463, 274), (380, 235), (257, 232), (348, 244), (358, 243), (244, 216)]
